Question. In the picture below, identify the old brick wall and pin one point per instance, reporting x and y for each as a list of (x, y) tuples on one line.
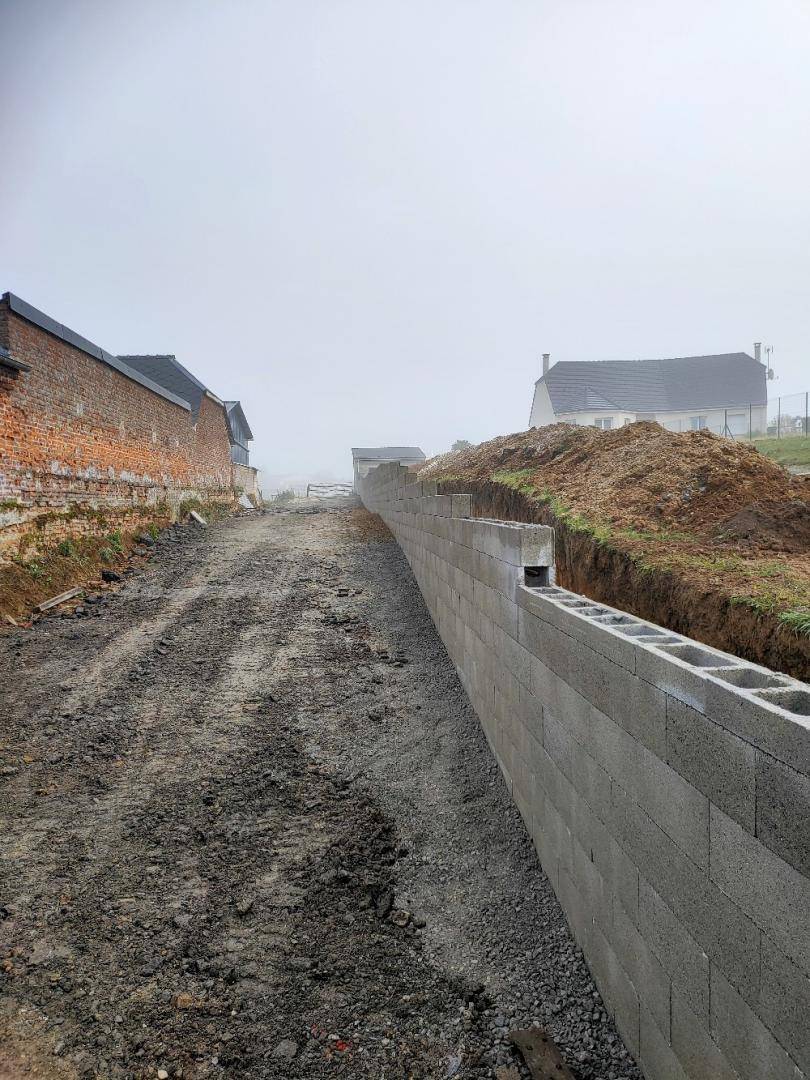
[(76, 434)]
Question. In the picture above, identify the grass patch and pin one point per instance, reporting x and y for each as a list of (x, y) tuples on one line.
[(791, 451), (797, 621), (211, 511)]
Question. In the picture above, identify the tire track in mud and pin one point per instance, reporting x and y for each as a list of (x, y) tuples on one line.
[(184, 886)]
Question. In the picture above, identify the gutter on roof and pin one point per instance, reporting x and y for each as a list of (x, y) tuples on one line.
[(64, 333), (8, 361)]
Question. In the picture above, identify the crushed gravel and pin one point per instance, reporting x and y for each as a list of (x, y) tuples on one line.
[(251, 828)]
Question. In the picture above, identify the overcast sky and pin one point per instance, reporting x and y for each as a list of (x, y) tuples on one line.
[(368, 219)]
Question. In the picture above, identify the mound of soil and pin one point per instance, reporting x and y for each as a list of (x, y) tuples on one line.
[(779, 526), (699, 533), (639, 476)]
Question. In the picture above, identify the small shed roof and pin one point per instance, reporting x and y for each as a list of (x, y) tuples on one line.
[(387, 453)]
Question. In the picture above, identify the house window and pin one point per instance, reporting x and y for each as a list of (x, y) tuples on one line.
[(697, 423), (627, 420), (604, 422)]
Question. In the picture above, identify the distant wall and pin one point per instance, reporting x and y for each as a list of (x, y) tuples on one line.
[(76, 434), (245, 479), (666, 787)]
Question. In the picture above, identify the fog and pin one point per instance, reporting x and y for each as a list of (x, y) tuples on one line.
[(367, 220)]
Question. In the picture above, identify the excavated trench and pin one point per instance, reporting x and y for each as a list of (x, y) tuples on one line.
[(668, 598)]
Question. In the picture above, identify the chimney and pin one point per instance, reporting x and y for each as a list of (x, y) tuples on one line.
[(546, 357), (758, 351)]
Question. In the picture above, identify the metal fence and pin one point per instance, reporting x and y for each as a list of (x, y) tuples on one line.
[(789, 416), (784, 417)]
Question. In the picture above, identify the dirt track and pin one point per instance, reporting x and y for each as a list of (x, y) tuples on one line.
[(250, 828)]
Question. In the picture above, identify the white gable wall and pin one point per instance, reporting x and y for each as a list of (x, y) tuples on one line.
[(542, 413), (737, 417)]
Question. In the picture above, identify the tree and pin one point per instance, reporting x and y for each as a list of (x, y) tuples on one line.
[(461, 444)]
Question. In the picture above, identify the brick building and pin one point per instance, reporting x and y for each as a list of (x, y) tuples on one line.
[(84, 431)]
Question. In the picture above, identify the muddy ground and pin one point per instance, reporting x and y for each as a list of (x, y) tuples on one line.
[(250, 828)]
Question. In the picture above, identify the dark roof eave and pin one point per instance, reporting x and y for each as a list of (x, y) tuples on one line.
[(8, 361), (232, 406), (51, 326)]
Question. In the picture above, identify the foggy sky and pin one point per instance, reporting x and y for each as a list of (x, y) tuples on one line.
[(367, 220)]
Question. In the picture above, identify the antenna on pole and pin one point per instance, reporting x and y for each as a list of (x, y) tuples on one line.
[(768, 351)]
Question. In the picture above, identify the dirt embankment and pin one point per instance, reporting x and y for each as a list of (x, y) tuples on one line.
[(701, 534)]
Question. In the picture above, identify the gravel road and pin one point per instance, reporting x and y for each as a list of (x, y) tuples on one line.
[(249, 827)]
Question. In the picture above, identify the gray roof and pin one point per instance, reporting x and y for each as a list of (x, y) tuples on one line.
[(387, 453), (235, 407), (64, 333), (651, 386), (166, 371)]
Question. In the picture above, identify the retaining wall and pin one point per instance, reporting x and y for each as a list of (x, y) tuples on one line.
[(666, 786)]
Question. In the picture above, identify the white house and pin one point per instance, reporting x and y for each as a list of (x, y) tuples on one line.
[(725, 393)]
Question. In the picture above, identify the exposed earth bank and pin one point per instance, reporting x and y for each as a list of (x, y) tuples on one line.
[(250, 828), (699, 533)]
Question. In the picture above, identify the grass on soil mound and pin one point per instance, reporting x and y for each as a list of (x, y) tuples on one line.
[(689, 504)]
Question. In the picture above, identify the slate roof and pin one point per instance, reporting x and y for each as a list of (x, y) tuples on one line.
[(166, 371), (387, 453), (235, 407), (653, 386), (64, 333)]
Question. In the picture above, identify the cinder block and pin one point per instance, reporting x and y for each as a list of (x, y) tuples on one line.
[(680, 670), (514, 656), (616, 867), (530, 712), (784, 1003), (656, 1056), (461, 506), (557, 741), (672, 803), (680, 955), (576, 910), (646, 973), (694, 1046), (775, 895), (536, 545), (616, 988), (783, 811), (591, 781), (572, 708), (553, 835), (640, 708), (714, 760), (726, 934), (599, 634), (739, 701), (743, 1038), (595, 893)]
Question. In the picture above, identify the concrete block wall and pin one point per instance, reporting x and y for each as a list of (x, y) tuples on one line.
[(666, 786)]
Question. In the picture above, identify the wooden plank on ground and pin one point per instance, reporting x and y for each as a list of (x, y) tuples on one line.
[(541, 1055), (60, 599), (198, 519)]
